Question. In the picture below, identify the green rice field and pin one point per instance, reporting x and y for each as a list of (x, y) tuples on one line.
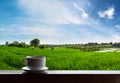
[(61, 58)]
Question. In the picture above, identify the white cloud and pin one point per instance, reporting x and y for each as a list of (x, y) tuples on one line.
[(109, 13), (75, 5), (83, 13), (115, 38), (51, 11), (7, 30), (30, 30), (45, 31), (117, 26)]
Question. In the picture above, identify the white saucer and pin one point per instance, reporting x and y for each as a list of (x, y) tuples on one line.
[(28, 69)]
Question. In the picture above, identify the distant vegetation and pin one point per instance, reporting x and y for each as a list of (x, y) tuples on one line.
[(88, 47), (33, 43)]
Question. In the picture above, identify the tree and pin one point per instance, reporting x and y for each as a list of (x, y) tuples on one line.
[(6, 43), (15, 43), (110, 43), (42, 46), (22, 44), (35, 42)]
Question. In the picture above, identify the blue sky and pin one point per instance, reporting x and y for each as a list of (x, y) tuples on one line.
[(60, 21)]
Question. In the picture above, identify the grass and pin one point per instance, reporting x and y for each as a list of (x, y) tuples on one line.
[(11, 58)]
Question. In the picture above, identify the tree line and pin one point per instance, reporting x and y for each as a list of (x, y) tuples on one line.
[(33, 43), (91, 46)]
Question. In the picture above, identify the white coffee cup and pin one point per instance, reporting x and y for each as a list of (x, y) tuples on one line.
[(36, 62)]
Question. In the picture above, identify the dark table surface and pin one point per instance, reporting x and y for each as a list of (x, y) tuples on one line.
[(60, 76)]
